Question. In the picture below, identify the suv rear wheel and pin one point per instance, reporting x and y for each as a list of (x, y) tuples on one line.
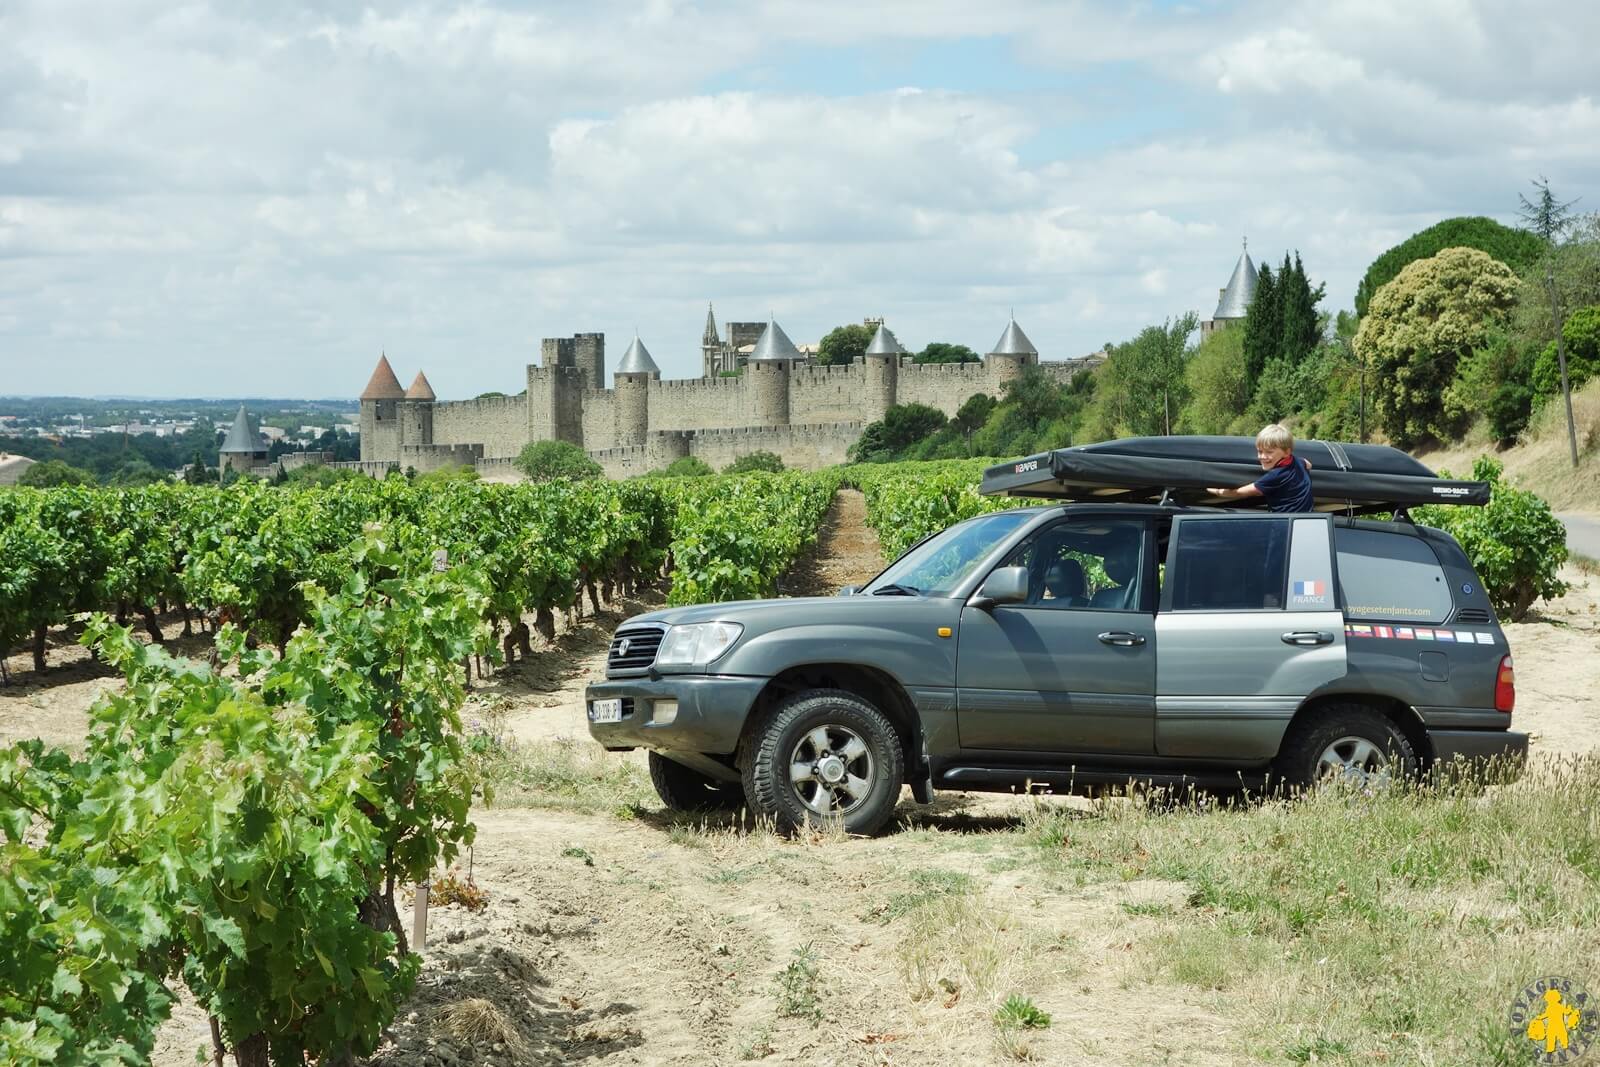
[(825, 755), (685, 789), (1347, 743)]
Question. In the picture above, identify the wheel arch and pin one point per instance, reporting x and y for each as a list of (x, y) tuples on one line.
[(1402, 715), (872, 684)]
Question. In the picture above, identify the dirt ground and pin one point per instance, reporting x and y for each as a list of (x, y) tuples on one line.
[(629, 937)]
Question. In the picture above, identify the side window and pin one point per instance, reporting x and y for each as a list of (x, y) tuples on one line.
[(1390, 576), (1082, 564), (1230, 564)]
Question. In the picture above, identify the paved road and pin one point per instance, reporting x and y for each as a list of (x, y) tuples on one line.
[(1583, 533)]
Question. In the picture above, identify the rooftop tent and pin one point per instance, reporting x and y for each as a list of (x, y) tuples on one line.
[(1344, 477)]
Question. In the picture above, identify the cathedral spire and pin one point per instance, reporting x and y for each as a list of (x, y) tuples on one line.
[(710, 336)]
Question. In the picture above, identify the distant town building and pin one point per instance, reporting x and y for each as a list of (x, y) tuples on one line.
[(1233, 299)]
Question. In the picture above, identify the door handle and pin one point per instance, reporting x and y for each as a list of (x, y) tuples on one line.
[(1308, 637), (1121, 637)]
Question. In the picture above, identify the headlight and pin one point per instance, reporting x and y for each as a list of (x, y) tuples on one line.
[(697, 644)]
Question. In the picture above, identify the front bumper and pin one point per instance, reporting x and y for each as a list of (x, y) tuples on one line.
[(712, 709)]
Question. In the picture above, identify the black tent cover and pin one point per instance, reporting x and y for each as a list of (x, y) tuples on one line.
[(1344, 477)]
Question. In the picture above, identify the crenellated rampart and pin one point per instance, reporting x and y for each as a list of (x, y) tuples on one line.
[(497, 423)]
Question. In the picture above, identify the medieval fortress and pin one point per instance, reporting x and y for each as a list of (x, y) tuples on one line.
[(757, 392)]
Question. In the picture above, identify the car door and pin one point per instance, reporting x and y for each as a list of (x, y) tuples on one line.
[(1072, 669), (1249, 625)]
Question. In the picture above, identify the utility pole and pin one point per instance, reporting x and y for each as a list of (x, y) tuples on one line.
[(1561, 354)]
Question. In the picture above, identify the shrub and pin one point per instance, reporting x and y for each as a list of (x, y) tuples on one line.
[(544, 461), (687, 467), (755, 461), (52, 473), (1581, 332), (1516, 544)]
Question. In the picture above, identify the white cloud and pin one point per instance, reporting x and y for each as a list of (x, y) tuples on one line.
[(219, 199)]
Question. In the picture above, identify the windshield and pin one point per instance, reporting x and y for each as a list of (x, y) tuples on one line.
[(945, 560)]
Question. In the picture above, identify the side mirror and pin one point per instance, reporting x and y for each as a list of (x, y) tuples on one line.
[(847, 590), (1005, 585)]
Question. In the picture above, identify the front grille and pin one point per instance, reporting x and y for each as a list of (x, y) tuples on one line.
[(642, 643), (1480, 616)]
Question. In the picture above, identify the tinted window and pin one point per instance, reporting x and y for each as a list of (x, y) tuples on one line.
[(1085, 564), (1230, 565), (1390, 576)]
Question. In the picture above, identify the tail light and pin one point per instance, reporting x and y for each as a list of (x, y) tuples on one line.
[(1505, 686)]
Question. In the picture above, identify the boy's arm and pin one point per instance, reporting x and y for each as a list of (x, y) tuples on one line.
[(1243, 490)]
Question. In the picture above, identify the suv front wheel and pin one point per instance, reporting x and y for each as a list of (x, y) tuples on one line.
[(1347, 743), (825, 755)]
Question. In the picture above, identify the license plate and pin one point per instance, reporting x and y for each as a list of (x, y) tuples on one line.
[(605, 711)]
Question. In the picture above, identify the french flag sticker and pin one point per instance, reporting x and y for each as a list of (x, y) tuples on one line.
[(1310, 588)]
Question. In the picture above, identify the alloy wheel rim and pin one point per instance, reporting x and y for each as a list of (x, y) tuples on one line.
[(1354, 761), (831, 770)]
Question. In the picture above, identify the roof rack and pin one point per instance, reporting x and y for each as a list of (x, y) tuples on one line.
[(1176, 472)]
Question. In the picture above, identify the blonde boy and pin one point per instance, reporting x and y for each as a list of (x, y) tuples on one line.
[(1287, 483)]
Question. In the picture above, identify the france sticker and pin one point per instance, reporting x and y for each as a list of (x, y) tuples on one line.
[(1310, 588)]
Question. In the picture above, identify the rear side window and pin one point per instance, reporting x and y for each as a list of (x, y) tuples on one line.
[(1389, 576), (1230, 564)]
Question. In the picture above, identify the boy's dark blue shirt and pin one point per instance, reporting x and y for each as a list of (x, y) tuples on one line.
[(1287, 486)]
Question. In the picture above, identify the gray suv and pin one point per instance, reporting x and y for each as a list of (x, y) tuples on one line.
[(1071, 647)]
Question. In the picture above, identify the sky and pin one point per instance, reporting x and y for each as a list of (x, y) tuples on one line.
[(222, 198)]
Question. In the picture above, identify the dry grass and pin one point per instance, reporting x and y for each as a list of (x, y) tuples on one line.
[(479, 1023), (1541, 461)]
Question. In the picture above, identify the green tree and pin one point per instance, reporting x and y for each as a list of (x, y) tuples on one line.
[(755, 461), (1581, 337), (543, 461), (1263, 327), (1215, 380), (844, 344), (973, 413), (1550, 220), (1142, 391), (902, 426), (943, 352), (1518, 250), (1298, 319), (1418, 329), (197, 473), (687, 467), (52, 473), (136, 472)]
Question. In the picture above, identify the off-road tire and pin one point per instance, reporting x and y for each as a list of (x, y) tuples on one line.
[(1307, 740), (686, 789), (767, 783)]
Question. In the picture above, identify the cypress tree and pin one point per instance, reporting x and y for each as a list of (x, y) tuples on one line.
[(1262, 328), (1298, 311)]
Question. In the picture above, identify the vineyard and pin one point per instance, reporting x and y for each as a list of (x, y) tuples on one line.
[(239, 827), (242, 825)]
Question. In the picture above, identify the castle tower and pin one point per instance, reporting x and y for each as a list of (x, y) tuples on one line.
[(633, 377), (416, 413), (243, 448), (710, 348), (380, 427), (589, 355), (1010, 355), (768, 375), (883, 372), (1233, 300)]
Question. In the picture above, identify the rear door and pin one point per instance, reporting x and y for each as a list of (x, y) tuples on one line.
[(1249, 625), (1073, 669)]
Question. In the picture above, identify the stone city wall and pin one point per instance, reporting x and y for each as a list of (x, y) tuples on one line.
[(425, 458), (698, 404), (945, 386), (599, 418), (372, 468), (829, 394), (498, 423), (295, 460), (808, 447)]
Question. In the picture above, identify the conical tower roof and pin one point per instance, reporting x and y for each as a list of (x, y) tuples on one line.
[(242, 437), (1235, 302), (884, 343), (774, 345), (383, 385), (420, 389), (636, 360), (709, 337), (1013, 342)]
